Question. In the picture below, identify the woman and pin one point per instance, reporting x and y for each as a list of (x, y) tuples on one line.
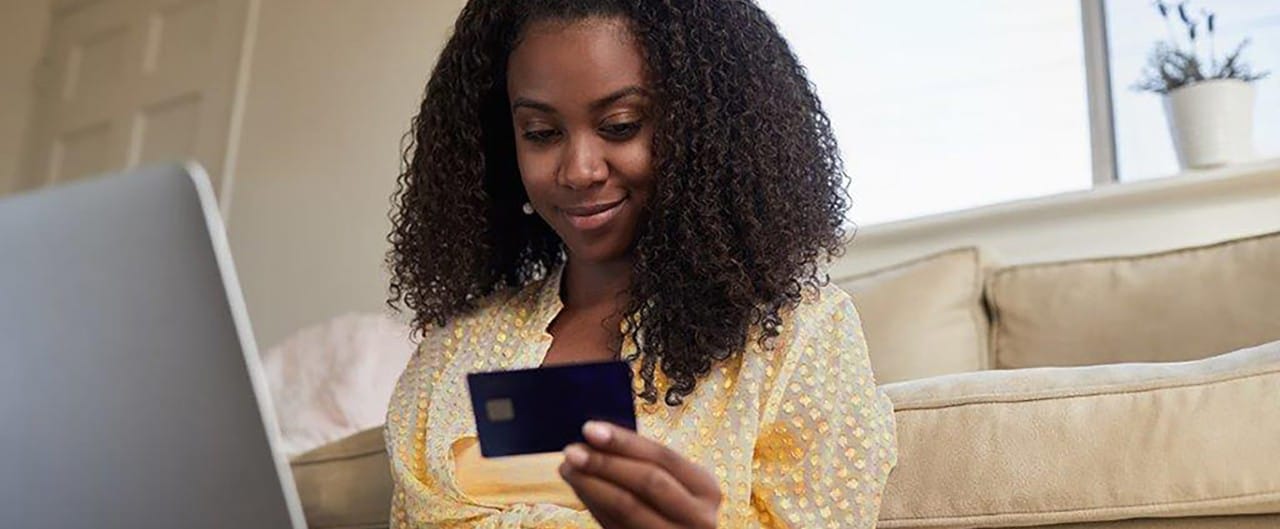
[(647, 180)]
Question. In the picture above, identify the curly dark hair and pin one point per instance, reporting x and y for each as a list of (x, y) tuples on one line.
[(749, 193)]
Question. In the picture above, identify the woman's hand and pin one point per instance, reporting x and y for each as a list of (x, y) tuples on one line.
[(630, 482)]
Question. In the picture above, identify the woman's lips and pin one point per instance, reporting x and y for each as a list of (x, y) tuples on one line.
[(593, 216)]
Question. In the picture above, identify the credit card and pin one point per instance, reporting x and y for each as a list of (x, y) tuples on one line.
[(530, 411)]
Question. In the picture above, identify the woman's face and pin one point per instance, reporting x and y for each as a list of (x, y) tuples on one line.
[(580, 109)]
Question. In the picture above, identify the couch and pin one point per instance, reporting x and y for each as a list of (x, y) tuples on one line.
[(1138, 391)]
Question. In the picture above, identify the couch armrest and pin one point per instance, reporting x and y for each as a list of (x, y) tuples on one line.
[(346, 484), (1060, 445)]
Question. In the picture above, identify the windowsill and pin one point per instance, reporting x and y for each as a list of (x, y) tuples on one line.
[(1252, 175), (1189, 209)]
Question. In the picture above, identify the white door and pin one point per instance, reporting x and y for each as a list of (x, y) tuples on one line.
[(126, 82)]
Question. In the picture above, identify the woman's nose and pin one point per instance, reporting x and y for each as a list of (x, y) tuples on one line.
[(584, 165)]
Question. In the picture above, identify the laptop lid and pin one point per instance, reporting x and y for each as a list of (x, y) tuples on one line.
[(131, 394)]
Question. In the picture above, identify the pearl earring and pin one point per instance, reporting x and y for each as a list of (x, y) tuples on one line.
[(527, 208)]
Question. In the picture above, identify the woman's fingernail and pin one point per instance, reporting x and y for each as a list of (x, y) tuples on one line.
[(596, 431), (575, 455)]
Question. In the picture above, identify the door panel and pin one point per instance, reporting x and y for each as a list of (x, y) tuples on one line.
[(126, 82)]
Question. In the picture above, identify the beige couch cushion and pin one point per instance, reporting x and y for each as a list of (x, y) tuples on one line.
[(347, 483), (923, 317), (1085, 444), (1260, 521), (1172, 306), (1031, 447)]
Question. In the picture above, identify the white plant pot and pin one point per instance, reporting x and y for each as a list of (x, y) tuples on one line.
[(1211, 122)]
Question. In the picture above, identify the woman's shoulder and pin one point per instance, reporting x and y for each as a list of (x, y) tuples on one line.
[(460, 337), (827, 303), (823, 320), (823, 324), (506, 303)]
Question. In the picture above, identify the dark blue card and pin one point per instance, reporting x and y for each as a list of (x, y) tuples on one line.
[(529, 411)]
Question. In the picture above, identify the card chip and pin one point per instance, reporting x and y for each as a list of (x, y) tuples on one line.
[(499, 410)]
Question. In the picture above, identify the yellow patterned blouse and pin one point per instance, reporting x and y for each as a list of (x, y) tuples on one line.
[(799, 436)]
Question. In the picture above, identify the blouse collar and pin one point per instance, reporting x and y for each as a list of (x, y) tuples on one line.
[(547, 303), (544, 296)]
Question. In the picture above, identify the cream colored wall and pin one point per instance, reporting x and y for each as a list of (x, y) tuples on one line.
[(24, 25), (332, 86)]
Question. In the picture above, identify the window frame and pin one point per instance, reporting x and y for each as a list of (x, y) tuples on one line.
[(1097, 69)]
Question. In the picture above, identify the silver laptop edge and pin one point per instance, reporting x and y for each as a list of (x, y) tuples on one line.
[(123, 405), (244, 330)]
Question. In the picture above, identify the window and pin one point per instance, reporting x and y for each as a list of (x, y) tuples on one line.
[(944, 105), (1143, 147)]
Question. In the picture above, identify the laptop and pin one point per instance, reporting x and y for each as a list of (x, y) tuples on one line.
[(131, 394)]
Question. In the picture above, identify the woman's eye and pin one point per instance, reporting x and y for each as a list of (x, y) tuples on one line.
[(541, 135), (620, 130)]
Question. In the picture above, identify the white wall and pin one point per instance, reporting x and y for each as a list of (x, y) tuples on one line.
[(24, 25), (332, 86)]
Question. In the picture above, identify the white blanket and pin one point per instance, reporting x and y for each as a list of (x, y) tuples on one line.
[(334, 379)]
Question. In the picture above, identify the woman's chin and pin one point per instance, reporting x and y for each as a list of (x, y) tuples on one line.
[(604, 251)]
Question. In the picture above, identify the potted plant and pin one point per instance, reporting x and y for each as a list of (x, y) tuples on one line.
[(1208, 103)]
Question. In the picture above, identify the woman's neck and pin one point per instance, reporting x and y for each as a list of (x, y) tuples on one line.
[(590, 284)]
